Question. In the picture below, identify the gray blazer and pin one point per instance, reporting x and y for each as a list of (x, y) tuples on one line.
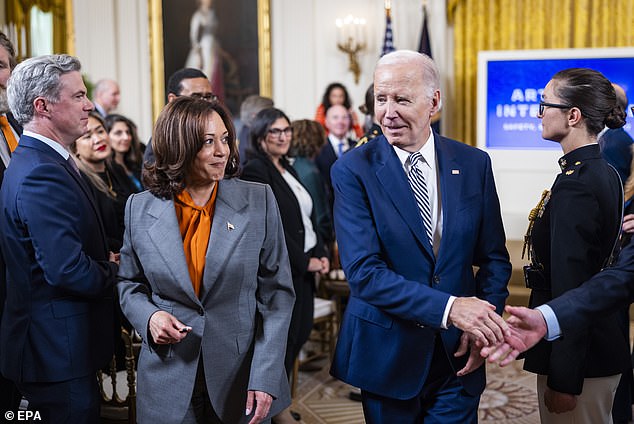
[(240, 323)]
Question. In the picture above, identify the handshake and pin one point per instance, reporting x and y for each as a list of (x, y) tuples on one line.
[(497, 340)]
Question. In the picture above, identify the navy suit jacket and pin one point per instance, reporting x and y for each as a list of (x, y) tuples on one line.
[(602, 295), (57, 320), (398, 289), (616, 148), (325, 158)]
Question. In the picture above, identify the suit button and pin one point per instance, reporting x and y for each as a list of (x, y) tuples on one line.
[(201, 312), (436, 279)]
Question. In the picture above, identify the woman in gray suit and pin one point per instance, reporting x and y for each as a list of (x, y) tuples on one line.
[(205, 278)]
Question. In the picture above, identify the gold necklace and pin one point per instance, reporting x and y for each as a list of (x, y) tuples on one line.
[(110, 189)]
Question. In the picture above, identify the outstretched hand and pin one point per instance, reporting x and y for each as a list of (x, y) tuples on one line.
[(478, 318), (474, 361), (526, 328)]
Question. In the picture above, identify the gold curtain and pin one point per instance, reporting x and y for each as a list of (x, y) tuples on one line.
[(18, 13), (522, 25)]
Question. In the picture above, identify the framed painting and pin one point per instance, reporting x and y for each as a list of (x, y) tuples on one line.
[(229, 40)]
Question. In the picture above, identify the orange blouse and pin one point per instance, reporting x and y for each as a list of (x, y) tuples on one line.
[(194, 223)]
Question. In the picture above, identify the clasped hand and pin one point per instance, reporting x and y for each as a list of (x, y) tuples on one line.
[(526, 328)]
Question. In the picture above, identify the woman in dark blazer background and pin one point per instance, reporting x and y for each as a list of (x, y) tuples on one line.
[(267, 163)]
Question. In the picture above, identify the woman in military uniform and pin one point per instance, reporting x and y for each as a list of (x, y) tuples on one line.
[(573, 236)]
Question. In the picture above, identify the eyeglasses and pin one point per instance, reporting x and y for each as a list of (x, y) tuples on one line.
[(208, 97), (277, 133), (543, 105)]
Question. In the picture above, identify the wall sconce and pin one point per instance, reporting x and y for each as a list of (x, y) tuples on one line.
[(351, 40)]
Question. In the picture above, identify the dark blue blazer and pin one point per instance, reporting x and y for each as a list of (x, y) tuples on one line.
[(398, 289), (326, 157), (616, 149), (602, 295), (57, 320)]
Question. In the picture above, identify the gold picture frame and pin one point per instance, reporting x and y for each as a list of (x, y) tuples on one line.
[(158, 56)]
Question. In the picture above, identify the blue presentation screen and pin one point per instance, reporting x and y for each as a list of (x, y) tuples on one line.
[(514, 89)]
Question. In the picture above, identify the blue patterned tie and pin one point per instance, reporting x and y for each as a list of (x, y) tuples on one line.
[(419, 187)]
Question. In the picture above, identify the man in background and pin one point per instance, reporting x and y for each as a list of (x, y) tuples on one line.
[(338, 124), (56, 329), (184, 82), (248, 109), (106, 96), (11, 131)]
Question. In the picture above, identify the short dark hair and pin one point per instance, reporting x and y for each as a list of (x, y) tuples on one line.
[(261, 126), (593, 94), (177, 138), (326, 99), (174, 82)]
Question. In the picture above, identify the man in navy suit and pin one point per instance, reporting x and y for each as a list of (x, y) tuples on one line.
[(56, 328), (412, 282), (338, 124)]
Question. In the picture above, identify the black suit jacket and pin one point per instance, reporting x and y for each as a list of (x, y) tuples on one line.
[(572, 239), (602, 295), (262, 170), (616, 148), (3, 282), (9, 395), (324, 160)]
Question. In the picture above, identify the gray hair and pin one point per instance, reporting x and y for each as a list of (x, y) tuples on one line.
[(251, 106), (37, 77), (430, 74), (102, 85)]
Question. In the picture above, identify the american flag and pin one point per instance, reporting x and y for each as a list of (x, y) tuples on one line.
[(388, 43)]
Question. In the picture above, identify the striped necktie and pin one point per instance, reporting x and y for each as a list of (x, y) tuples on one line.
[(8, 133), (419, 187)]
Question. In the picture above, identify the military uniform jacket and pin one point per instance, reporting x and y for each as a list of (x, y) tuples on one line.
[(571, 240)]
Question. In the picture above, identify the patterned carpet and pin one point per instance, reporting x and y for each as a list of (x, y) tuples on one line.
[(509, 398)]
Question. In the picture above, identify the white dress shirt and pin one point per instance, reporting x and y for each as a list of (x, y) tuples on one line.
[(336, 142), (429, 168), (51, 143)]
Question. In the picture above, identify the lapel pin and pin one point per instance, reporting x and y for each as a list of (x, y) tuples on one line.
[(455, 172), (230, 226)]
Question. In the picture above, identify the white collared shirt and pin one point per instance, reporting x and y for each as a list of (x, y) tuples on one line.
[(336, 142), (429, 169), (49, 142)]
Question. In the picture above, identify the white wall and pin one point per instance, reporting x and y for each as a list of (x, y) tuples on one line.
[(112, 41), (305, 54)]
